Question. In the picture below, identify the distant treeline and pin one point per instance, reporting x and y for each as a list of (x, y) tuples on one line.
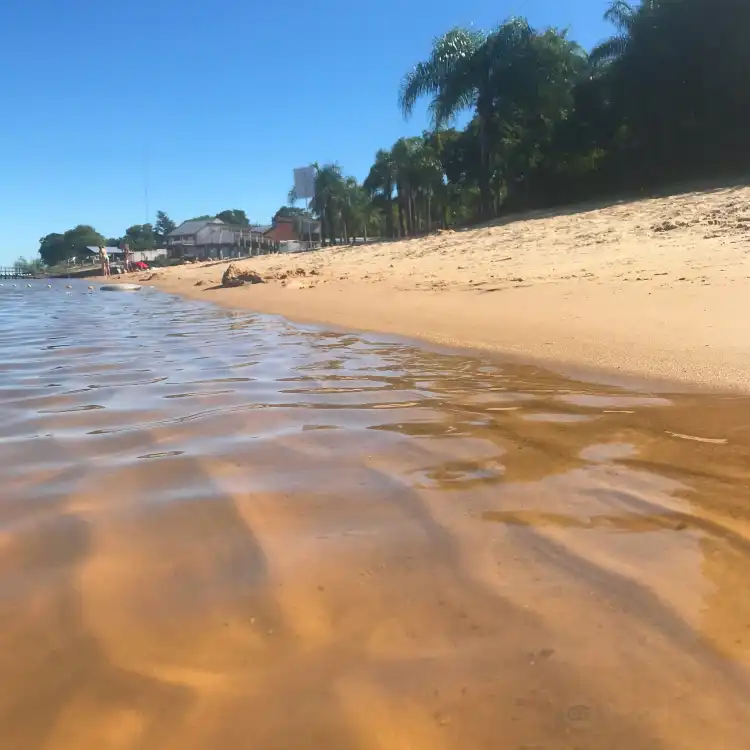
[(60, 247)]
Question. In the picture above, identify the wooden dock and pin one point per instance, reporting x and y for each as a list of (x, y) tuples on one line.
[(12, 272)]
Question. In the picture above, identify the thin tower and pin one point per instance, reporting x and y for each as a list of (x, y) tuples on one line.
[(145, 185)]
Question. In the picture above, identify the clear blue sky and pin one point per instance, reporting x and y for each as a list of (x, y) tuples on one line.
[(220, 98)]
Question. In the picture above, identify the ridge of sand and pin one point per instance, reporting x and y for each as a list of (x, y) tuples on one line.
[(657, 287)]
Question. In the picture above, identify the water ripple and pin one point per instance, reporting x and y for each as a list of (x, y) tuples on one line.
[(410, 548)]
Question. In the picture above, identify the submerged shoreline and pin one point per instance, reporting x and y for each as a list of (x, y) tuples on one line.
[(209, 516), (657, 288)]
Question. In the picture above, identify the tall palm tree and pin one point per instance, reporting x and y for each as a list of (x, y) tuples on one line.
[(360, 213), (429, 174), (329, 188), (463, 72), (455, 77), (380, 182), (405, 160)]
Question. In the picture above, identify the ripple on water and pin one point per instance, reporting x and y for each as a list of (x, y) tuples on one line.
[(207, 517)]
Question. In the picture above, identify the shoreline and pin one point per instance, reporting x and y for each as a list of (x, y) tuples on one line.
[(638, 290), (585, 354)]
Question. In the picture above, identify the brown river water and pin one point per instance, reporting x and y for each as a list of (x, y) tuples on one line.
[(222, 530)]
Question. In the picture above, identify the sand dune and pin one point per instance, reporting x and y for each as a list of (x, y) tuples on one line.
[(657, 287)]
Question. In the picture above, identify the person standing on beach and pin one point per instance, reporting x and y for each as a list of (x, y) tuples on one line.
[(104, 260), (126, 257)]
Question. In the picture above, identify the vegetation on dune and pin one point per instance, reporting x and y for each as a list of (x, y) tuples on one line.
[(665, 98)]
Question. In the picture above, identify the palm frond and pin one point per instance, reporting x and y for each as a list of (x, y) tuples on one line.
[(456, 96), (421, 81), (449, 51), (620, 14), (609, 50)]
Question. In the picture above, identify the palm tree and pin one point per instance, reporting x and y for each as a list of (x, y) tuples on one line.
[(329, 187), (454, 75), (429, 174), (380, 183), (359, 212), (623, 16), (402, 165), (463, 72)]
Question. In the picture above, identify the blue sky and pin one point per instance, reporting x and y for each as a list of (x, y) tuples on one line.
[(216, 101)]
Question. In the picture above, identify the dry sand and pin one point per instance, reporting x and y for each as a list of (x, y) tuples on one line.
[(656, 287)]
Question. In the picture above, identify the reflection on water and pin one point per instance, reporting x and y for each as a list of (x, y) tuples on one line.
[(222, 530)]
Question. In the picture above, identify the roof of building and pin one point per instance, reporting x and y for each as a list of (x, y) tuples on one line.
[(110, 250), (192, 227), (261, 228)]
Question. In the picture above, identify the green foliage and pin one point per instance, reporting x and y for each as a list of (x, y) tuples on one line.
[(61, 248), (664, 98), (140, 237), (235, 216), (163, 226), (286, 212)]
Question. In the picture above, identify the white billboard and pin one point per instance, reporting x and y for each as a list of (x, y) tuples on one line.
[(304, 182)]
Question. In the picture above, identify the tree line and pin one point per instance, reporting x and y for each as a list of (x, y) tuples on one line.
[(665, 98), (56, 248)]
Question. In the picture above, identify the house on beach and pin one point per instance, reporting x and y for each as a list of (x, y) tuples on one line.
[(298, 232), (212, 238)]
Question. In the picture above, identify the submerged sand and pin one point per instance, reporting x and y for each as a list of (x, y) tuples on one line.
[(658, 287), (221, 530)]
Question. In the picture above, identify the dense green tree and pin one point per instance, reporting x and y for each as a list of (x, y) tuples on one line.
[(457, 75), (81, 237), (518, 82), (140, 237), (163, 226), (52, 249), (622, 15), (60, 248), (380, 183), (287, 212), (234, 216), (328, 200)]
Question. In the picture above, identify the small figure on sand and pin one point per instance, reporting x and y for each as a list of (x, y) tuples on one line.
[(126, 257), (104, 260)]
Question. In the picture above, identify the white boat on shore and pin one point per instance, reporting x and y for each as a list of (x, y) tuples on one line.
[(120, 287)]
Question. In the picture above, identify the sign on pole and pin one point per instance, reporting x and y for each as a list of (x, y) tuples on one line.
[(304, 183)]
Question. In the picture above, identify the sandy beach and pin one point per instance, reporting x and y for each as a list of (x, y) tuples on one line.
[(657, 287)]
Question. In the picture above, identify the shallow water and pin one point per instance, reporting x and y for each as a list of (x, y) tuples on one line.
[(220, 530)]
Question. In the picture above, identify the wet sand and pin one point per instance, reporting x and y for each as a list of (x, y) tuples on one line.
[(218, 529), (656, 288)]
